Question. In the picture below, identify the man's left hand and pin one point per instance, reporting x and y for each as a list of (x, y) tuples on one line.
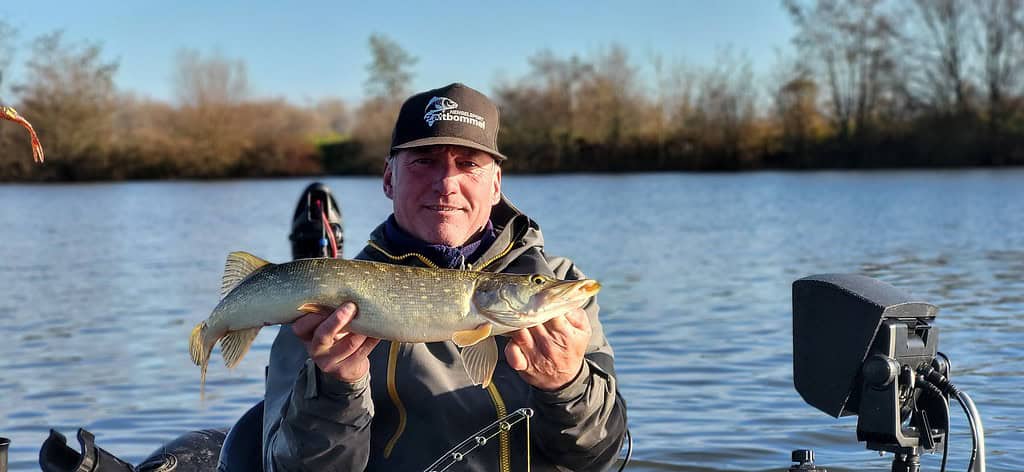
[(549, 356)]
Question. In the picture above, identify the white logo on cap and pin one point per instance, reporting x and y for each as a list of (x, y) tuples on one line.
[(446, 109)]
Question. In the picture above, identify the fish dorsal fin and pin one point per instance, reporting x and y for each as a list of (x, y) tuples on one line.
[(238, 266), (479, 360), (234, 346), (470, 337)]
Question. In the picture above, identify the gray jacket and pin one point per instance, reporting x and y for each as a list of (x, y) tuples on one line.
[(418, 401)]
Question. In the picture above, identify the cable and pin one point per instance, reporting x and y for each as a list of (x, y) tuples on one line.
[(945, 444), (977, 432), (629, 450), (945, 452), (934, 391), (974, 435), (328, 229), (934, 378)]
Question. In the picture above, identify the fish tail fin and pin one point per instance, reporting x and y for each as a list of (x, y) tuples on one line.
[(200, 348)]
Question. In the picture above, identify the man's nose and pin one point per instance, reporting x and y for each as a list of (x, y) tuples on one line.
[(446, 181)]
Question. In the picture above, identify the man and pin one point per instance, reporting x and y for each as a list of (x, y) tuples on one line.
[(341, 401)]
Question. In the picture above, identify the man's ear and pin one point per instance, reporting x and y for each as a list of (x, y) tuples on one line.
[(496, 195), (389, 189)]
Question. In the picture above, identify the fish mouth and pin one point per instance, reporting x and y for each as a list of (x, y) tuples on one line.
[(589, 287), (558, 298), (586, 288), (570, 293)]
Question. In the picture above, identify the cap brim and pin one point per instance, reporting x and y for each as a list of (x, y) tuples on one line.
[(436, 140)]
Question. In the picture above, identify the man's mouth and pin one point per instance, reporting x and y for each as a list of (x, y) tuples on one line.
[(442, 208)]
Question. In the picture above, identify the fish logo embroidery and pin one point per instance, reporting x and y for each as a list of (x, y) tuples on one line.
[(436, 107)]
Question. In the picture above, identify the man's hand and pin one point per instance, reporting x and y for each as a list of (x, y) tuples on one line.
[(549, 356), (336, 351)]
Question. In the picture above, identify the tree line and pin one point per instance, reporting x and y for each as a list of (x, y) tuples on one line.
[(867, 84)]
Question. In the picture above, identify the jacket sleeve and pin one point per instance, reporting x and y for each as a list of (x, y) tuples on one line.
[(581, 427), (312, 421)]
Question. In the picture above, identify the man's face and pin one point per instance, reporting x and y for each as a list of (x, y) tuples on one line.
[(443, 194)]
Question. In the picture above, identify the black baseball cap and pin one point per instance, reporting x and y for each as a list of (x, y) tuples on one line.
[(454, 114)]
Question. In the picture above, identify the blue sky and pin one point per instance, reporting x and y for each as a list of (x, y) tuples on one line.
[(308, 50)]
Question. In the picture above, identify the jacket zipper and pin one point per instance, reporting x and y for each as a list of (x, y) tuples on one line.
[(393, 393), (504, 455)]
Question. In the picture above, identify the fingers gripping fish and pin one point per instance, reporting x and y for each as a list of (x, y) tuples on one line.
[(396, 303), (10, 114)]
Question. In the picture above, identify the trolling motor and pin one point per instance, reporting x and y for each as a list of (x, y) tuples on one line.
[(316, 224), (862, 347)]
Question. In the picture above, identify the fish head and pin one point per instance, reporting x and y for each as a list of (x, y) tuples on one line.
[(521, 301)]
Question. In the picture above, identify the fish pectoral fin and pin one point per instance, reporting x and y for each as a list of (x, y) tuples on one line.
[(470, 337), (234, 345), (479, 360), (238, 266), (317, 308)]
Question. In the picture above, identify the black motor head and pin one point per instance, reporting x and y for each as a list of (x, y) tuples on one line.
[(836, 318), (307, 223)]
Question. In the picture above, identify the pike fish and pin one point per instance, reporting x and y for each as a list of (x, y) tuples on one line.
[(396, 303)]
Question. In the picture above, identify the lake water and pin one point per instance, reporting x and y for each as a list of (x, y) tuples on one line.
[(100, 285)]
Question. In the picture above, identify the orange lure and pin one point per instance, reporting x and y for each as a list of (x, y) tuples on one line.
[(9, 114)]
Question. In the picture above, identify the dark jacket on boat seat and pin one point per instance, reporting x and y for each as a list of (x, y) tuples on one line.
[(418, 401)]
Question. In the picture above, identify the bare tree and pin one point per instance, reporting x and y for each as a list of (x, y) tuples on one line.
[(69, 93), (560, 80), (725, 110), (539, 111), (386, 87), (677, 94), (672, 99), (610, 98), (8, 36), (332, 116), (796, 108), (935, 47), (277, 139), (851, 44), (212, 126), (794, 95), (12, 164), (389, 68), (1001, 47), (209, 81), (527, 128), (372, 131)]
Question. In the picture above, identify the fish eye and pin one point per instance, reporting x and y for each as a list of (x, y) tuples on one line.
[(537, 279)]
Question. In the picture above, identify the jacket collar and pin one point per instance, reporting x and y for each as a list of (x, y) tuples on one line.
[(514, 233), (449, 257)]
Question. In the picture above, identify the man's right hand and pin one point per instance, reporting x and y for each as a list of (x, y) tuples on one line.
[(336, 351)]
